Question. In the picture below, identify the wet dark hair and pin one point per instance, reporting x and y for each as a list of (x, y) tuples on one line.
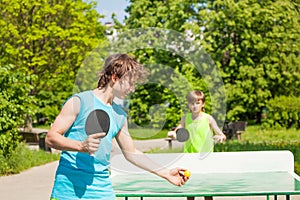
[(121, 65)]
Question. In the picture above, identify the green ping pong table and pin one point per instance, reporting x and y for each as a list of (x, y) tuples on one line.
[(261, 173)]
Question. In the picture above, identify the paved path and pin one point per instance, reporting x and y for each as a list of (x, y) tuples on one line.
[(36, 183), (33, 184)]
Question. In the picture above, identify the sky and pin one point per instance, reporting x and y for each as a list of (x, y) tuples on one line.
[(107, 7)]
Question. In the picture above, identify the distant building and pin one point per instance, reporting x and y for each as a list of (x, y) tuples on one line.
[(110, 31)]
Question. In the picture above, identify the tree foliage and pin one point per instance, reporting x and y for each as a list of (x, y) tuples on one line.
[(15, 97), (49, 39), (256, 46), (283, 111), (15, 104)]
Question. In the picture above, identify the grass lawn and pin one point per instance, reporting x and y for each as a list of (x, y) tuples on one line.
[(255, 133), (146, 134)]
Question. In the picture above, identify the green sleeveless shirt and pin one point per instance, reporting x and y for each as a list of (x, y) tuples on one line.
[(200, 134)]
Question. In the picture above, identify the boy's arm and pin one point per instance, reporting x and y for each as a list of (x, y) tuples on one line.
[(219, 135), (62, 123), (141, 160), (172, 134)]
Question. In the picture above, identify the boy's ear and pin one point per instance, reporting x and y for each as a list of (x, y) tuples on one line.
[(114, 78)]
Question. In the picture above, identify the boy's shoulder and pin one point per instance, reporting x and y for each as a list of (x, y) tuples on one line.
[(119, 109), (82, 93), (206, 114)]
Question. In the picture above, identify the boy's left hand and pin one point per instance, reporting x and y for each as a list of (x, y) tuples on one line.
[(219, 138)]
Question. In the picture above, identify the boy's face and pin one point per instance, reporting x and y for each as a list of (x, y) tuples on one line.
[(123, 87), (196, 107)]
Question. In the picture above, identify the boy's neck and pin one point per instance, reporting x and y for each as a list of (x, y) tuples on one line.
[(104, 95)]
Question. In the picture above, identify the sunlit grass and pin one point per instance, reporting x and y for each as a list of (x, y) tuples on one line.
[(147, 134), (256, 133)]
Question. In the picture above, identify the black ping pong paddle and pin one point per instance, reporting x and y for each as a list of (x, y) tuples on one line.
[(97, 122), (182, 134)]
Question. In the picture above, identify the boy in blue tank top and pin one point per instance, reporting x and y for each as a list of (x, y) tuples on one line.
[(80, 175)]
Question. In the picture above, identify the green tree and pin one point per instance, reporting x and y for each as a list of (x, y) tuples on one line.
[(49, 39), (160, 13), (15, 104), (256, 47)]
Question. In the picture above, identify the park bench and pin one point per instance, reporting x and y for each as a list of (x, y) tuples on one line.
[(34, 136), (248, 173), (234, 129)]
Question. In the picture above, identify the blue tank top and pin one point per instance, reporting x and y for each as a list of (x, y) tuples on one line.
[(79, 175)]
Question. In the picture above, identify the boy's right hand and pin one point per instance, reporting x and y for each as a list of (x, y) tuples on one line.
[(92, 142), (172, 134), (174, 176)]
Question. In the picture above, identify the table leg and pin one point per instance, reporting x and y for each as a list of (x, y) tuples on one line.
[(169, 143), (239, 135)]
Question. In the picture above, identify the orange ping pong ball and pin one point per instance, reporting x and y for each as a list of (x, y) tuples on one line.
[(187, 173)]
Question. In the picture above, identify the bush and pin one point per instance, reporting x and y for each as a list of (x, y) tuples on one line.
[(8, 143), (15, 99), (283, 112)]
